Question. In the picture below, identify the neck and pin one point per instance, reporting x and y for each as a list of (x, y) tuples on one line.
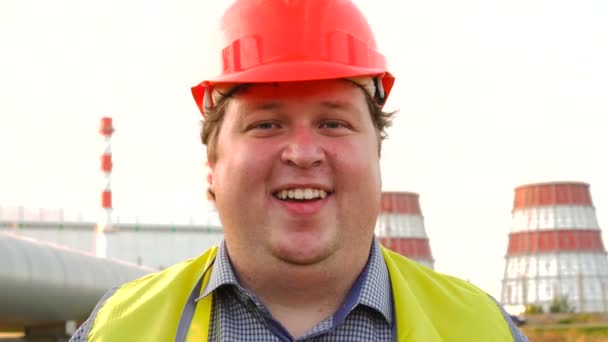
[(301, 296)]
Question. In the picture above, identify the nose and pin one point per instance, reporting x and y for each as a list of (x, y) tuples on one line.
[(303, 149)]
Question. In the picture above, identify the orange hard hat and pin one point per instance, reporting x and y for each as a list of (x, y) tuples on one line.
[(296, 40)]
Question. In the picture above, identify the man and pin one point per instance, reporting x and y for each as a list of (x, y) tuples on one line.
[(293, 128)]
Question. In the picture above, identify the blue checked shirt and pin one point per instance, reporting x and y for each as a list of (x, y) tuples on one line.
[(365, 315)]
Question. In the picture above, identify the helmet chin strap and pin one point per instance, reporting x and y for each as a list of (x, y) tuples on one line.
[(208, 100), (373, 85), (380, 95)]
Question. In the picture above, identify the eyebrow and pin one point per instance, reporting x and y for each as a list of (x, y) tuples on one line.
[(250, 108), (266, 105), (337, 104)]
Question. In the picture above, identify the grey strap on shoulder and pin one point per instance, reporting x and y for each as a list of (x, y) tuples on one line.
[(82, 334), (185, 319), (517, 335)]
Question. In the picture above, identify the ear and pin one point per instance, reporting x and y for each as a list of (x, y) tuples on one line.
[(209, 169)]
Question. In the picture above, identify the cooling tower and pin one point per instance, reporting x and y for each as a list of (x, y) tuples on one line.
[(555, 249), (400, 227)]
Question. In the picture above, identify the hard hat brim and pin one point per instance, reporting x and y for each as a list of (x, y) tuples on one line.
[(293, 71), (296, 71)]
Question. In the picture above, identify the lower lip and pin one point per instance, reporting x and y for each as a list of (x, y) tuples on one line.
[(303, 208)]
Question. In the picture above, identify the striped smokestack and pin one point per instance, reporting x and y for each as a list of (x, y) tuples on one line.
[(400, 227), (105, 223), (555, 249)]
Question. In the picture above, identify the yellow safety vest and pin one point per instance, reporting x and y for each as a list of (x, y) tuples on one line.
[(428, 306)]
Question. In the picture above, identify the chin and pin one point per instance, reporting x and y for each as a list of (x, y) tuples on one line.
[(301, 254)]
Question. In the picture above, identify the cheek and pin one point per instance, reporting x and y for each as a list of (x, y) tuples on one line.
[(358, 163), (363, 153), (242, 165)]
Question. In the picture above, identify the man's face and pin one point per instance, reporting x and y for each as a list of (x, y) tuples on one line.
[(297, 173)]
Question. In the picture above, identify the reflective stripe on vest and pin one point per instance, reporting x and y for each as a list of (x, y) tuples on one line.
[(197, 333)]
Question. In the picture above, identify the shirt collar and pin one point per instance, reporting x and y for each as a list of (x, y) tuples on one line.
[(376, 291), (222, 272), (373, 285)]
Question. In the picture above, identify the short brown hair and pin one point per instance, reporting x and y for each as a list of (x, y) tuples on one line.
[(215, 116)]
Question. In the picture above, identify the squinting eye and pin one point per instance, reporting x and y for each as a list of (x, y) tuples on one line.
[(332, 124), (266, 125)]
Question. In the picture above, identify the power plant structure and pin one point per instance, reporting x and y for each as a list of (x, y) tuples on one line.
[(400, 227), (49, 288), (52, 250), (100, 242), (555, 252), (76, 259)]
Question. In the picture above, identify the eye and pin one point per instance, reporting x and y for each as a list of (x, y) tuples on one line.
[(266, 125), (334, 124), (265, 128)]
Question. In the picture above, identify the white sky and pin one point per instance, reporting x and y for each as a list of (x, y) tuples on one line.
[(492, 95)]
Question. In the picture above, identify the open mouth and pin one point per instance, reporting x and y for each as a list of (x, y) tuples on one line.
[(301, 194)]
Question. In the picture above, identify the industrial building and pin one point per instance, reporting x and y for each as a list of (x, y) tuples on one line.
[(400, 227), (555, 249)]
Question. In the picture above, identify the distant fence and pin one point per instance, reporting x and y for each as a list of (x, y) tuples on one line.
[(143, 242), (16, 214)]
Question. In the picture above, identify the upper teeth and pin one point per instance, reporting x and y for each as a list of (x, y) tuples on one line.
[(301, 193)]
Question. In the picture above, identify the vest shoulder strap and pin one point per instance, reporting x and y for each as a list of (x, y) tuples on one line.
[(150, 307)]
